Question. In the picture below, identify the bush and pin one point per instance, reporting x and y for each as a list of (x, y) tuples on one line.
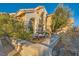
[(13, 28)]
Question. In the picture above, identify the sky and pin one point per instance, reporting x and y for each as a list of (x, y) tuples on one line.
[(50, 7)]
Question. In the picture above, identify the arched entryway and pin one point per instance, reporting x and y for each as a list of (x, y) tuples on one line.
[(31, 24)]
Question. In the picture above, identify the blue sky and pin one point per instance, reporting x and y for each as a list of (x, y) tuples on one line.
[(50, 7)]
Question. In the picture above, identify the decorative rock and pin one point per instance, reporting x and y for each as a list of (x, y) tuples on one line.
[(33, 50)]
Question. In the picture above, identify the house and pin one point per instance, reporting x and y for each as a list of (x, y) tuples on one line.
[(34, 17), (37, 19)]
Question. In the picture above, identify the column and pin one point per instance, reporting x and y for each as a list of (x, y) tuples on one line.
[(44, 21)]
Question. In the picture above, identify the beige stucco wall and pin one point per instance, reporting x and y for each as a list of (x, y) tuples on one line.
[(49, 22), (21, 18)]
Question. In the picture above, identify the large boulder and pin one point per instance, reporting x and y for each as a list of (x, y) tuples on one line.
[(34, 50)]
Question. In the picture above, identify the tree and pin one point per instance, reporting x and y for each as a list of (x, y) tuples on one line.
[(71, 40), (13, 28), (59, 19), (3, 23)]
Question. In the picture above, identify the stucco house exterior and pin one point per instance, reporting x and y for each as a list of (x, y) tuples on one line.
[(35, 17)]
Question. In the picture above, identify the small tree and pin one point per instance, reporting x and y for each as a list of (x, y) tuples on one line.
[(60, 17)]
